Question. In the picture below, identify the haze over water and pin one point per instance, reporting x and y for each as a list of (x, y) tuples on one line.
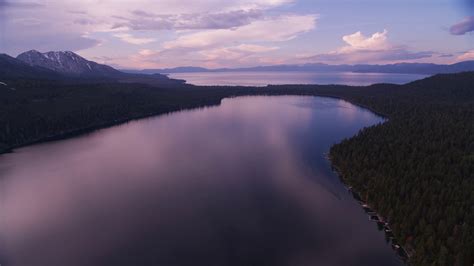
[(293, 77), (244, 183)]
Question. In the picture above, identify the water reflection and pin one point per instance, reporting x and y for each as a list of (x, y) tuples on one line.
[(244, 183)]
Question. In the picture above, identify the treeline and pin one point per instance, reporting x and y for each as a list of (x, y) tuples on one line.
[(34, 110), (416, 169)]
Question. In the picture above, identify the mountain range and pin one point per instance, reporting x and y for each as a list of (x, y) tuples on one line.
[(402, 68), (66, 65)]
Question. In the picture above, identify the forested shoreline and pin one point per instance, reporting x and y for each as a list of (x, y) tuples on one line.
[(36, 110), (416, 169)]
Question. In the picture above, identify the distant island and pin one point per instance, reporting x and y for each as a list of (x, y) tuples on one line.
[(401, 68)]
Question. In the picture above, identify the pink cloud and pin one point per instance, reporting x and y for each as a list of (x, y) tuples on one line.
[(469, 55)]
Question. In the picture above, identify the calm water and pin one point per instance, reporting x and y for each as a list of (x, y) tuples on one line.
[(277, 78), (245, 183)]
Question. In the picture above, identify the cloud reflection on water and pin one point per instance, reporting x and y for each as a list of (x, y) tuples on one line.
[(243, 183)]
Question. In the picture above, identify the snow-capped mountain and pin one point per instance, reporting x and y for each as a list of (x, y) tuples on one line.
[(67, 63)]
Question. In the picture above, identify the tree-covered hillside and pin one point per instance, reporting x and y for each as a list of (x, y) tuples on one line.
[(417, 169)]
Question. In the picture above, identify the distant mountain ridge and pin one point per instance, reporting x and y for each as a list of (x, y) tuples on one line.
[(401, 68), (67, 63)]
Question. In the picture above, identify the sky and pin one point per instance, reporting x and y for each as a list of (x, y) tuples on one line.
[(138, 34)]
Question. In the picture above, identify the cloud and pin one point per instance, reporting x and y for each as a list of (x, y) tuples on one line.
[(18, 4), (245, 45), (236, 53), (171, 14), (243, 54), (463, 27), (142, 20), (231, 56), (82, 24), (255, 48), (85, 21), (133, 40), (167, 7), (61, 42), (372, 49), (445, 55), (367, 56), (358, 41), (269, 30), (469, 55), (185, 32)]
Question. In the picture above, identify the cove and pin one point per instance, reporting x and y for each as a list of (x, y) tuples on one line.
[(243, 183)]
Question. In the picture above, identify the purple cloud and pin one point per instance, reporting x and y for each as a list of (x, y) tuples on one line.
[(402, 54), (143, 20), (84, 21), (445, 55), (364, 56), (463, 27), (18, 4)]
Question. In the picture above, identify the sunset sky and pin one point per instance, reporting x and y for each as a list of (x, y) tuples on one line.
[(236, 33)]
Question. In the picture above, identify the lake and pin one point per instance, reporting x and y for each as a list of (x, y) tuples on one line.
[(279, 78), (243, 183)]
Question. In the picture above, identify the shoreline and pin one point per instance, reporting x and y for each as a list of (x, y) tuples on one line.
[(400, 250), (85, 130)]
